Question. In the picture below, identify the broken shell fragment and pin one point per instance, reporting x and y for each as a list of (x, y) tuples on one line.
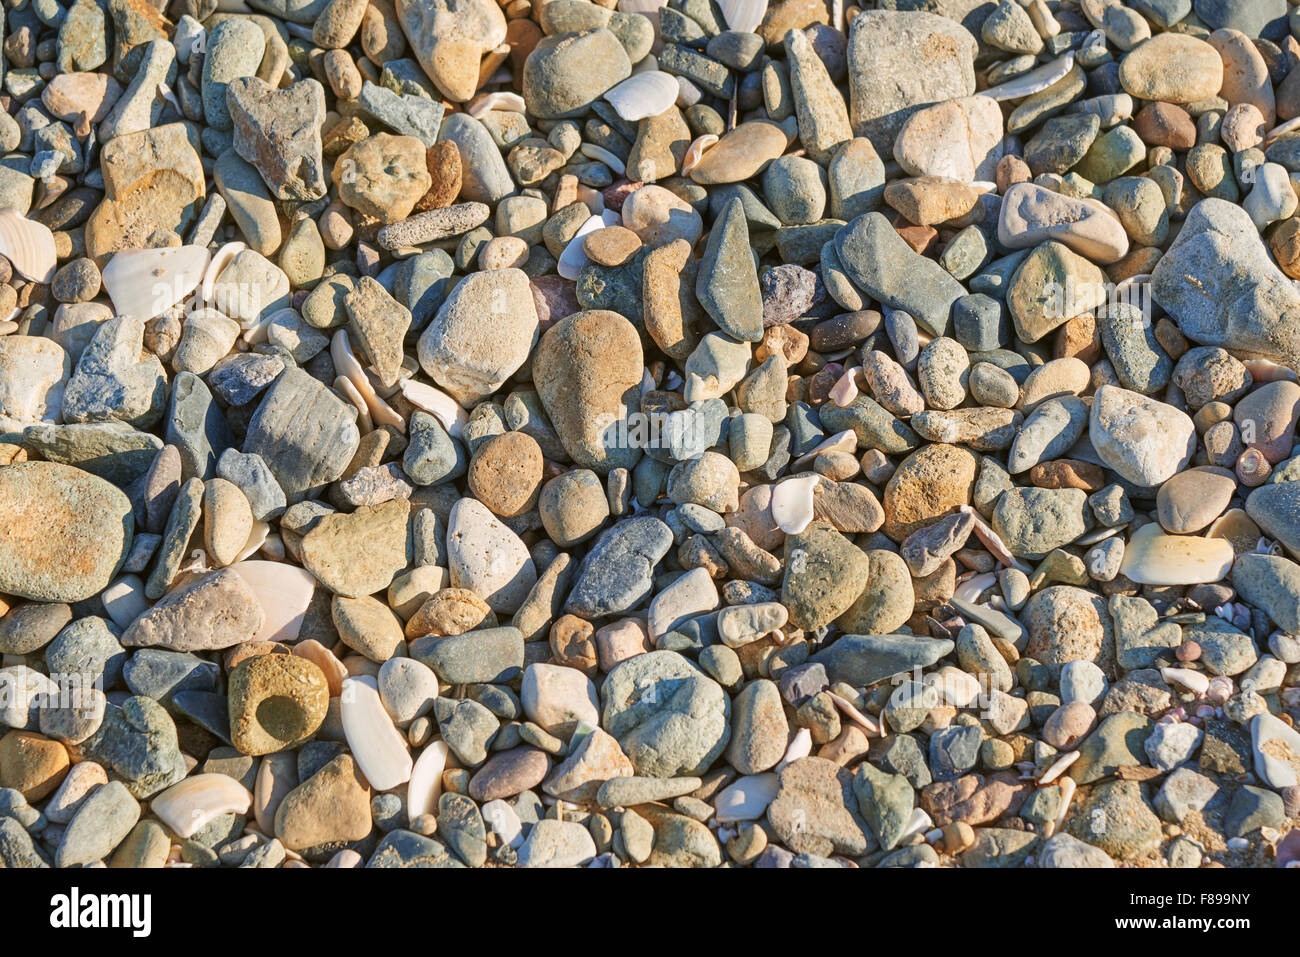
[(1153, 558), (187, 806), (372, 737)]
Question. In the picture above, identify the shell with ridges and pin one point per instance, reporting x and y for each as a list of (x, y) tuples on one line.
[(743, 16), (28, 245), (643, 94)]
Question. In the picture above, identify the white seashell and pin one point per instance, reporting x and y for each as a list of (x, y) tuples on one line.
[(971, 589), (28, 245), (372, 737), (348, 365), (1282, 129), (501, 100), (1154, 558), (747, 798), (695, 152), (343, 385), (800, 747), (792, 503), (1194, 681), (865, 722), (256, 536), (438, 404), (1032, 82), (147, 282), (1099, 535), (743, 16), (1058, 767), (845, 389), (572, 257), (844, 441), (602, 155), (997, 548), (191, 803), (425, 786), (284, 592), (1266, 370), (1067, 795), (916, 824), (643, 94), (220, 260)]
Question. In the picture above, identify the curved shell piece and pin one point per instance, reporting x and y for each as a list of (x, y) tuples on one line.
[(695, 152), (28, 245), (425, 786), (1032, 82), (191, 803), (1153, 558), (220, 260), (438, 404), (147, 282), (501, 100), (284, 591), (372, 737), (643, 94), (743, 16), (792, 503), (349, 367)]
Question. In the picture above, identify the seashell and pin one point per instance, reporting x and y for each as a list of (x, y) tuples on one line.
[(1252, 468), (1236, 527), (1219, 689), (792, 503), (573, 258), (844, 441), (747, 798), (147, 282), (425, 786), (349, 391), (220, 260), (800, 747), (283, 591), (602, 155), (1032, 82), (501, 100), (1282, 129), (643, 94), (865, 722), (324, 659), (188, 805), (373, 739), (438, 404), (695, 152), (1099, 535), (1194, 681), (845, 389), (992, 542), (347, 365), (1266, 370), (743, 16), (918, 823), (1067, 795), (1154, 558), (28, 245), (1058, 767), (971, 589)]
